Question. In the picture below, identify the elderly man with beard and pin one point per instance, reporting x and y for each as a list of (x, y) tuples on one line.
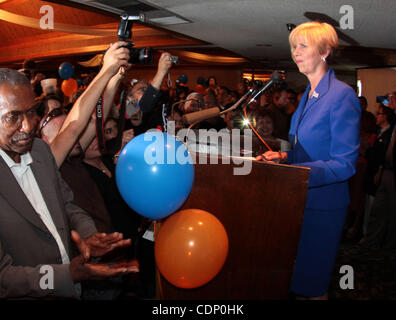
[(37, 212)]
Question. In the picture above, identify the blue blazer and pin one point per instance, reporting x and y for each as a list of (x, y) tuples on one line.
[(324, 135)]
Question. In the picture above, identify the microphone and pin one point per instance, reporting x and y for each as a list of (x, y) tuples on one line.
[(275, 78), (212, 112), (250, 91), (201, 115)]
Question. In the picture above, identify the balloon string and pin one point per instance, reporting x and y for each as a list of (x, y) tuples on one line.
[(159, 291), (257, 134)]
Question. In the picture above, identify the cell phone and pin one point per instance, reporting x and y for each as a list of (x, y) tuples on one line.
[(383, 99)]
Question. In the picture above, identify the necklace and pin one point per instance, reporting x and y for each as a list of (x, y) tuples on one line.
[(105, 171), (102, 168), (98, 165)]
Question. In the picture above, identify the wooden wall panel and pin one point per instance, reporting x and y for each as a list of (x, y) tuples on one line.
[(19, 43)]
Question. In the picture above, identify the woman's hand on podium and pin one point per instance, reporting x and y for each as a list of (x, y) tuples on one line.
[(272, 156)]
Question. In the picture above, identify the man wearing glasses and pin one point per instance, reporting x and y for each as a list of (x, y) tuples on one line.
[(37, 212), (143, 97)]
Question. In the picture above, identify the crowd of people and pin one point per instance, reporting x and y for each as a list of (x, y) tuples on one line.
[(64, 128), (371, 219), (318, 128)]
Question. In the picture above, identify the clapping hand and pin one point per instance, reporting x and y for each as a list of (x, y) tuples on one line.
[(97, 245), (101, 243)]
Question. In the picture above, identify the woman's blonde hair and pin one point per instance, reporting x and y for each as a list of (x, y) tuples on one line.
[(320, 34)]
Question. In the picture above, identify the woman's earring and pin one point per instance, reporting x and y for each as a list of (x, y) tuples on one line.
[(324, 59)]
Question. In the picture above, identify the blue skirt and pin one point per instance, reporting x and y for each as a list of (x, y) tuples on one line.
[(317, 250)]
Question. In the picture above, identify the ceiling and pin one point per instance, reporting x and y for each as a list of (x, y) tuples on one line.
[(252, 29), (256, 29)]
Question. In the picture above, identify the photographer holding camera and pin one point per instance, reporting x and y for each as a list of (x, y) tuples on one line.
[(142, 99)]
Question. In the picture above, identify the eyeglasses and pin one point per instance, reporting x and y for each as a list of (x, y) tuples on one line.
[(14, 117), (54, 113)]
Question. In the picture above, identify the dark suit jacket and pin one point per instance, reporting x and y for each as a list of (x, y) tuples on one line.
[(375, 159), (25, 242), (325, 136)]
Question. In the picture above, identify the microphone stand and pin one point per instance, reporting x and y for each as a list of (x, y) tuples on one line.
[(233, 107), (275, 78)]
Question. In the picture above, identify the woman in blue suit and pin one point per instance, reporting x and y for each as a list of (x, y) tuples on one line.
[(324, 135)]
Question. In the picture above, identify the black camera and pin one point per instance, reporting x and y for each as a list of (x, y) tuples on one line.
[(175, 59), (137, 55)]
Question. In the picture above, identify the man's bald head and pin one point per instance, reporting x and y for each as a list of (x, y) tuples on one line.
[(194, 102), (18, 117), (13, 77)]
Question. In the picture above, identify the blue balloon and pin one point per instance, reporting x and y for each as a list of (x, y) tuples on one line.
[(154, 174), (66, 70)]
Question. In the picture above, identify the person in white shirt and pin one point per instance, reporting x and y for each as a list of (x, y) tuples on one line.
[(37, 212)]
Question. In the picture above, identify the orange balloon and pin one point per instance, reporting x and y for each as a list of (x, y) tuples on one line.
[(191, 248), (69, 86)]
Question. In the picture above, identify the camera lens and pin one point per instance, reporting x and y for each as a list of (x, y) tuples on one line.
[(175, 59), (141, 55)]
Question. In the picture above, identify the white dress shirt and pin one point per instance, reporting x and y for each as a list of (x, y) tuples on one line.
[(26, 180)]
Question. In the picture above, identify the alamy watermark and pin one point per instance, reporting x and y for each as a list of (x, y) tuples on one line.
[(47, 20), (347, 280), (47, 278), (223, 143), (347, 20)]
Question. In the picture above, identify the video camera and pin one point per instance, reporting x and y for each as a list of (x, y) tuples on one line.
[(137, 55)]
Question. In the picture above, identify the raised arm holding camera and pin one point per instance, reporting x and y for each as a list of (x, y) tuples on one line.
[(142, 98), (80, 122)]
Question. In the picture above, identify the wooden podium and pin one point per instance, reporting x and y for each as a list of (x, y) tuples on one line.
[(262, 213)]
